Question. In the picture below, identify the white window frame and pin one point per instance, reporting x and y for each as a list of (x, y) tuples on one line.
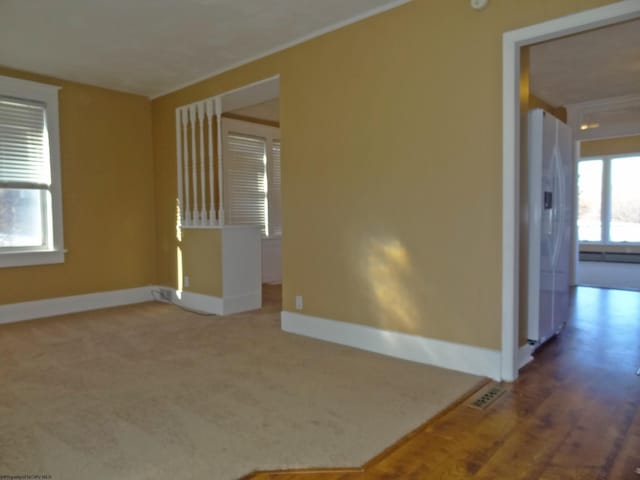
[(605, 201), (269, 133), (47, 94)]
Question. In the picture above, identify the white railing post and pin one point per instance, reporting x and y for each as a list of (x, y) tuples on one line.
[(220, 190), (203, 211), (212, 200), (194, 169), (179, 162), (185, 158)]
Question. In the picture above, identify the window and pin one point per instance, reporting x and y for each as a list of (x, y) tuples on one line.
[(30, 199), (609, 199), (252, 175), (275, 194)]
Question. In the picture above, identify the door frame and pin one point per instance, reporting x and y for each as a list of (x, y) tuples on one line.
[(512, 42)]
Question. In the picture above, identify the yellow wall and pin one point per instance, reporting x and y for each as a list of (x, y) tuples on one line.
[(200, 259), (610, 146), (107, 194), (391, 134), (559, 112), (391, 170)]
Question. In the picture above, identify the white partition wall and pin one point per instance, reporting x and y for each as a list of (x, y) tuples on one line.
[(241, 268), (200, 176)]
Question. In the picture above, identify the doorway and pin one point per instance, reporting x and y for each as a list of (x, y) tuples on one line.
[(253, 180), (512, 356)]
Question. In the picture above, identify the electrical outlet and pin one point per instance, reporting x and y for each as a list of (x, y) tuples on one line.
[(298, 302), (185, 281)]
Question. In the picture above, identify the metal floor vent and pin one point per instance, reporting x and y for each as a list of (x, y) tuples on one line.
[(486, 396)]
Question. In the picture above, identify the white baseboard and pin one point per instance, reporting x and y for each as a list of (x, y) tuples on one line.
[(50, 307), (197, 301), (211, 304), (524, 355), (241, 303), (454, 356), (16, 312)]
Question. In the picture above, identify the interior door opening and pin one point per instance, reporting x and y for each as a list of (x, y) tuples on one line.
[(514, 352)]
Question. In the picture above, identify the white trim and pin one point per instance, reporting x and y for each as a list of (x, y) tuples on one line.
[(16, 312), (511, 44), (279, 48), (210, 304), (198, 301), (241, 303), (17, 87), (510, 205), (525, 355), (48, 94), (50, 307), (22, 259), (454, 356)]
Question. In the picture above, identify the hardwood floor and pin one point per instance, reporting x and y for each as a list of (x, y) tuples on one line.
[(574, 413)]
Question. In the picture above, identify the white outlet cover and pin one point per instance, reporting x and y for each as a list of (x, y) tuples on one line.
[(479, 4)]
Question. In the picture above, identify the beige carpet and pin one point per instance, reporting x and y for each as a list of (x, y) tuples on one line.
[(152, 392)]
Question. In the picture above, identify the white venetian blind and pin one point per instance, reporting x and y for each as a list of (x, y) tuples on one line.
[(245, 179), (275, 186), (24, 153)]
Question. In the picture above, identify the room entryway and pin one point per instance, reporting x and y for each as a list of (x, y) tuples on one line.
[(514, 350)]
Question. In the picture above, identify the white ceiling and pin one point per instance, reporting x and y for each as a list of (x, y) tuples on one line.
[(269, 110), (593, 65), (152, 47), (250, 95)]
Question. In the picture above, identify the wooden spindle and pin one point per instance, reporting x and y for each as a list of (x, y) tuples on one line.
[(219, 131), (185, 160), (194, 169), (212, 207), (203, 211)]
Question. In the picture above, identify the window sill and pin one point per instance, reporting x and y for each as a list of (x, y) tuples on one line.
[(23, 259)]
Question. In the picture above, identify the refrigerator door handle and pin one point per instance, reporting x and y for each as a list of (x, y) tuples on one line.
[(548, 213)]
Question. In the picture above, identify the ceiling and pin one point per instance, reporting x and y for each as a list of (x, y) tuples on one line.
[(593, 65), (152, 47), (269, 111)]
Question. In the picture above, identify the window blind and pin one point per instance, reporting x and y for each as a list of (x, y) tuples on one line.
[(245, 180), (275, 186), (24, 155)]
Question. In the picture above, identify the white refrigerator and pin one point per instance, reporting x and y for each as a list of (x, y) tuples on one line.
[(551, 203)]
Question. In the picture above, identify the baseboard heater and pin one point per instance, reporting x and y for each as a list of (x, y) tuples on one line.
[(610, 257)]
